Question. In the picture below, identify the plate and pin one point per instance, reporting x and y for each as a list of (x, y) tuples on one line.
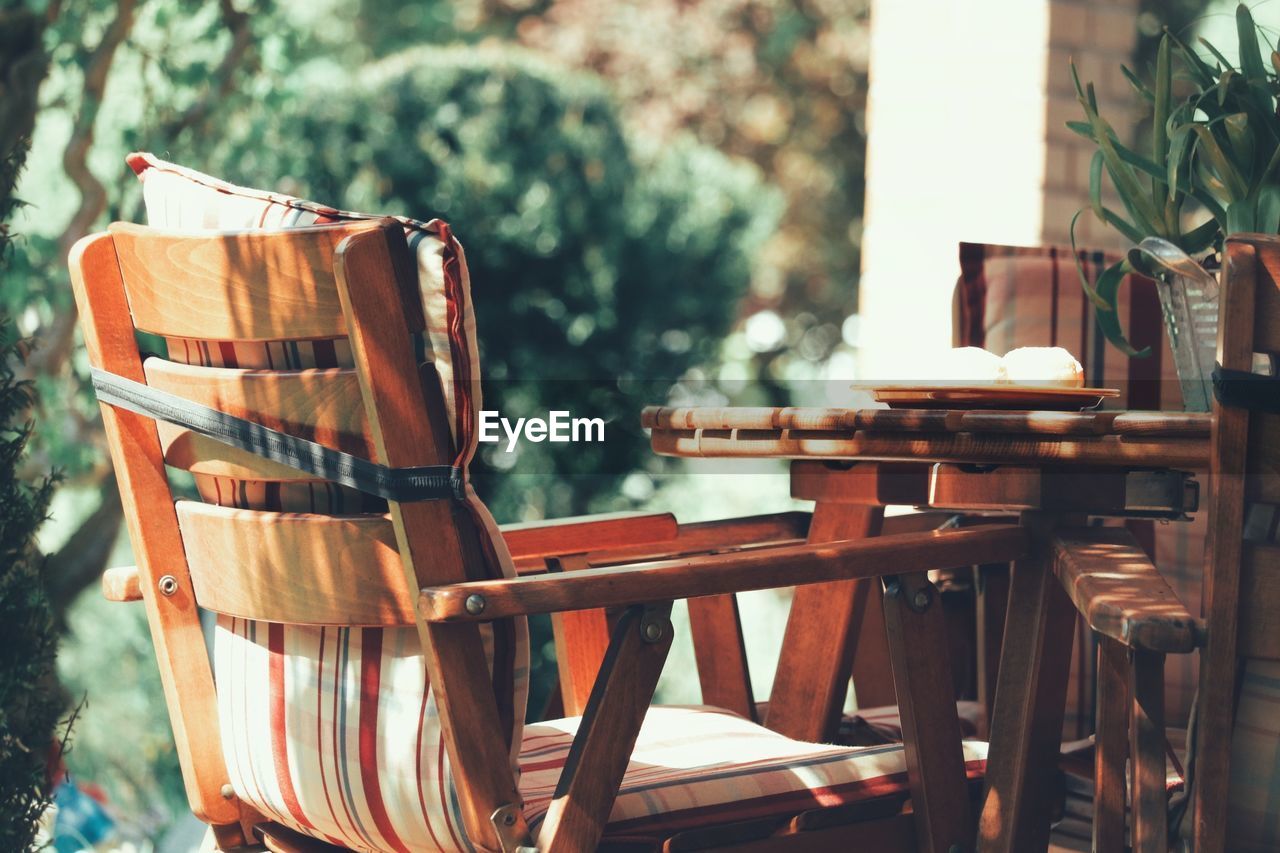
[(1035, 397)]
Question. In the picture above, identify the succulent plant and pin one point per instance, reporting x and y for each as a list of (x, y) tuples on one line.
[(1215, 143)]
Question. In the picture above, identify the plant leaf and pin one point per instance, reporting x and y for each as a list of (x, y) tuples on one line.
[(1129, 231), (1083, 128), (1108, 287), (1224, 82), (1075, 255), (1233, 183), (1223, 64), (1237, 127), (1240, 216), (1140, 87), (1250, 53), (1179, 145), (1160, 117), (1132, 193), (1267, 220), (1201, 72), (1095, 184)]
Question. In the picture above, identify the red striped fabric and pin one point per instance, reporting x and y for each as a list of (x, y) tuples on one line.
[(368, 769)]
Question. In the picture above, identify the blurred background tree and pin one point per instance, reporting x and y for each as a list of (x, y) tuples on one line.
[(597, 263), (30, 701)]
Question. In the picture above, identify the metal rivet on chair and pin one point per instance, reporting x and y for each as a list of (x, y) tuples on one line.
[(475, 604), (227, 791), (168, 585), (921, 599)]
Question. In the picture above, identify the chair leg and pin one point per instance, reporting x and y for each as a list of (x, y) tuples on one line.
[(917, 638), (602, 748), (1111, 751), (1149, 794), (1031, 695)]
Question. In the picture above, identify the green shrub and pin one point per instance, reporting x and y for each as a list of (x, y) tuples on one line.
[(598, 264), (30, 701)]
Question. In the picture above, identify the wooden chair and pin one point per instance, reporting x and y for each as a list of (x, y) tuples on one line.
[(1137, 620), (421, 593), (1233, 776), (1231, 770)]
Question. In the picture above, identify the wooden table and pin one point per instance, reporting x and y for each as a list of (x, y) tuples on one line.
[(1052, 468)]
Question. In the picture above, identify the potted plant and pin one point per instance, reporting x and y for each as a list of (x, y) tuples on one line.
[(1213, 170)]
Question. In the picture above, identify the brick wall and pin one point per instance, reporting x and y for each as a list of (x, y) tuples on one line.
[(1100, 36), (965, 115)]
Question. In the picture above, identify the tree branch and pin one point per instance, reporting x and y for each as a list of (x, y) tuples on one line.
[(57, 339), (238, 24), (81, 561)]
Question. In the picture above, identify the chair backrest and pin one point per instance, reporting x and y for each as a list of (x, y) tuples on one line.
[(1236, 775), (1015, 296), (293, 567)]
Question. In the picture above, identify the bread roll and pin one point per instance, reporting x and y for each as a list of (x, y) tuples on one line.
[(1043, 366), (968, 366)]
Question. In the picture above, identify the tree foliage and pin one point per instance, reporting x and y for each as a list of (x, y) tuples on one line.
[(597, 262), (30, 702)]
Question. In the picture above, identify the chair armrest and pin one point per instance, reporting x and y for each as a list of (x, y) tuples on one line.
[(1120, 592), (640, 537), (719, 574), (584, 533), (121, 584)]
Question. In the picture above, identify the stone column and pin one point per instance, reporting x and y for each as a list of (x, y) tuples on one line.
[(966, 141)]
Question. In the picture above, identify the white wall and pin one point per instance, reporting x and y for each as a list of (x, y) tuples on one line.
[(966, 142)]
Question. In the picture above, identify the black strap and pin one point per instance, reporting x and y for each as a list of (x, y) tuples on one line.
[(427, 482), (1243, 390)]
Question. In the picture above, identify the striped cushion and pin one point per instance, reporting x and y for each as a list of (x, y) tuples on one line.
[(177, 197), (301, 706), (702, 766), (331, 733), (1010, 297)]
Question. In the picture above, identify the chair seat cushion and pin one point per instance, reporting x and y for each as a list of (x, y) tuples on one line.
[(702, 766), (329, 732)]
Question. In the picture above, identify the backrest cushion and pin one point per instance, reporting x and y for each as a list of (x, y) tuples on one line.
[(334, 731), (181, 198), (1014, 296)]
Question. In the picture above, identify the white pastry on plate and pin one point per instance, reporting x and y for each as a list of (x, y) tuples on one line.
[(968, 366), (1052, 366)]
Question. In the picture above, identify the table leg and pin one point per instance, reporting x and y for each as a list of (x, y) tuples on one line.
[(582, 638), (873, 684), (818, 645), (992, 580), (1031, 691)]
